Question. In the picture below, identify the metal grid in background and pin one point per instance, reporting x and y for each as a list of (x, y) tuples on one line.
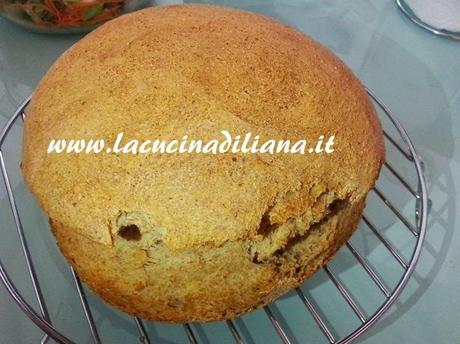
[(417, 232)]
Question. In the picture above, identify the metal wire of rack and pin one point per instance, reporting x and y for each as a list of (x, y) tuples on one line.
[(407, 11), (416, 230)]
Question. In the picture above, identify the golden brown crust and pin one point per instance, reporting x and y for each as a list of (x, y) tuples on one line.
[(245, 229), (199, 284)]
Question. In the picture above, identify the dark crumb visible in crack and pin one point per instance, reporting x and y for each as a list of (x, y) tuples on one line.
[(265, 226), (130, 233), (255, 259), (276, 259), (337, 205)]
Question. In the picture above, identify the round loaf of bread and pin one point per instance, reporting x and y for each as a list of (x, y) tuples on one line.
[(199, 237)]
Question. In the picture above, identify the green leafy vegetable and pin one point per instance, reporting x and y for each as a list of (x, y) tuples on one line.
[(91, 12)]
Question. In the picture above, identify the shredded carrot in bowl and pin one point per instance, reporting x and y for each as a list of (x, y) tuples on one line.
[(66, 13)]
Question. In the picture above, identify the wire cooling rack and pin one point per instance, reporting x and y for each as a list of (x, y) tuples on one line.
[(416, 229)]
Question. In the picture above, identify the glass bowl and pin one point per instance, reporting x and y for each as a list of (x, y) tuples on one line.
[(66, 16)]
